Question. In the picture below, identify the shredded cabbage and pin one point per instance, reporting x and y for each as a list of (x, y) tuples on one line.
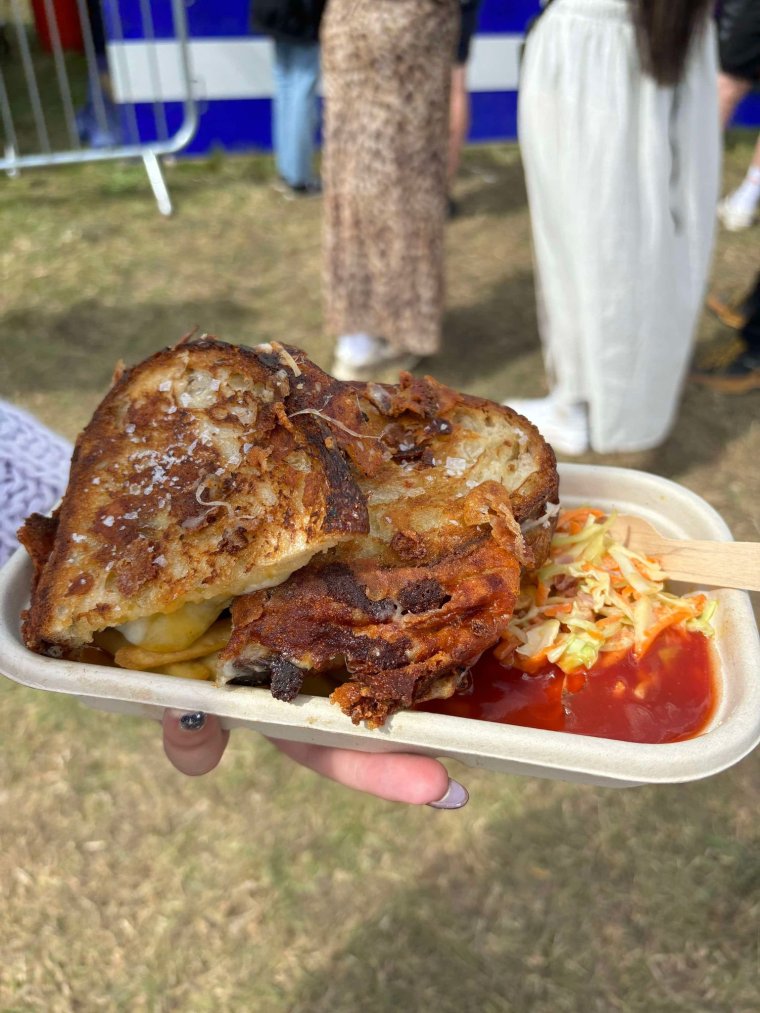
[(593, 601)]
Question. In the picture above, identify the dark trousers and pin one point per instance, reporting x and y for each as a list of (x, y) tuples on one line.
[(751, 329)]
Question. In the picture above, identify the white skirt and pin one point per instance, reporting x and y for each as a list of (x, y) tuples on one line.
[(622, 178)]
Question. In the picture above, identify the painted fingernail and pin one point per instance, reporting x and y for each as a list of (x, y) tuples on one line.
[(192, 722), (456, 796)]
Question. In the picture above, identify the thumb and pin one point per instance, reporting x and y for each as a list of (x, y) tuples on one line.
[(193, 742)]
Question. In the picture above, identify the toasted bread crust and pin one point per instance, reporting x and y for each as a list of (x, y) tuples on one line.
[(190, 482), (429, 416)]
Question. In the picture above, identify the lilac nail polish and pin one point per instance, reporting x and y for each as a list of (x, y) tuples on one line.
[(192, 722), (456, 796)]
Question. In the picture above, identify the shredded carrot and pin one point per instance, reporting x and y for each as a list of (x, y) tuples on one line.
[(573, 521), (530, 665), (558, 610), (670, 619), (582, 580)]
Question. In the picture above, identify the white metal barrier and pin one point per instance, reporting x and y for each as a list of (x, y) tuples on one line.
[(39, 119)]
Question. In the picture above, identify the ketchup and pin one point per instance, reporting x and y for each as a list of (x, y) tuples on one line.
[(668, 695)]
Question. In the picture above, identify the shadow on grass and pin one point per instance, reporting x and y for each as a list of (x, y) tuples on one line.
[(585, 900), (78, 347), (484, 337), (707, 424), (491, 187)]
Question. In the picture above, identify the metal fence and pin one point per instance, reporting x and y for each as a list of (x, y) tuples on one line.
[(65, 93)]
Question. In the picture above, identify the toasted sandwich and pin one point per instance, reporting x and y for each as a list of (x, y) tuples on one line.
[(189, 487), (235, 513)]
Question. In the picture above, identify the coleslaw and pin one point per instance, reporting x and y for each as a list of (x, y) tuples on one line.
[(593, 601)]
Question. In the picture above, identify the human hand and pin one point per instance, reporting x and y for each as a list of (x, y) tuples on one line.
[(195, 743)]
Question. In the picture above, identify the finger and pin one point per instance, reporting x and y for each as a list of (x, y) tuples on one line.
[(194, 742), (396, 777)]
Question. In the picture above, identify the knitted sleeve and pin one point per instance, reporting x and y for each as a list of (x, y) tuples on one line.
[(34, 469)]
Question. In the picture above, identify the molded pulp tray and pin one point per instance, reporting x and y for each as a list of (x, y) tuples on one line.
[(733, 732)]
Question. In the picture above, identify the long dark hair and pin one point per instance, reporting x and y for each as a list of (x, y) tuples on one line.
[(665, 29)]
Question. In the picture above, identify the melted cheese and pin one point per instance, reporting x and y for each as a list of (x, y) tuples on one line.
[(200, 669), (142, 660), (172, 632), (175, 631)]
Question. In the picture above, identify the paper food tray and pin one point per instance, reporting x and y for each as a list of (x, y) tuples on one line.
[(733, 732)]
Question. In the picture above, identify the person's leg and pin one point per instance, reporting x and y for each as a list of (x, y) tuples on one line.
[(615, 232), (562, 417), (387, 74), (302, 114), (459, 101), (739, 50), (731, 90), (459, 118), (751, 329), (280, 108)]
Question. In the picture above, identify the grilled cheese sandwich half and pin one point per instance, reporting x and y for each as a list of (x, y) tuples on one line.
[(190, 487)]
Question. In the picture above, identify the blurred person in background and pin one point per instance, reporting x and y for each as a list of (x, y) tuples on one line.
[(733, 368), (619, 132), (294, 27), (98, 121), (5, 46), (459, 109), (739, 54), (387, 76)]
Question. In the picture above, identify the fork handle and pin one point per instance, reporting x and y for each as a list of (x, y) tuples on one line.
[(719, 564)]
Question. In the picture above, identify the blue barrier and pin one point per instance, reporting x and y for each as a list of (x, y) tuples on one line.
[(232, 69)]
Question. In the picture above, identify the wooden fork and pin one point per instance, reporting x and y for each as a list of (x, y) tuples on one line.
[(719, 564)]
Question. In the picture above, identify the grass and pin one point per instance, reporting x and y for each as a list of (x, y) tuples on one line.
[(261, 887)]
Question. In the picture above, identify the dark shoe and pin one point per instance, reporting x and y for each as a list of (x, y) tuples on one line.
[(292, 191), (307, 189), (737, 371)]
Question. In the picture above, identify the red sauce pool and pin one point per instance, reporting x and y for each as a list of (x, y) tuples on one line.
[(669, 695)]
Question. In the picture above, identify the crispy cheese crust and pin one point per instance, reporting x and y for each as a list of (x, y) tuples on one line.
[(190, 483), (409, 608)]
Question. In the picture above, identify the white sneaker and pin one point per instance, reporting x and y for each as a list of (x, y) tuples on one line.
[(564, 426), (735, 217), (358, 356), (362, 349)]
